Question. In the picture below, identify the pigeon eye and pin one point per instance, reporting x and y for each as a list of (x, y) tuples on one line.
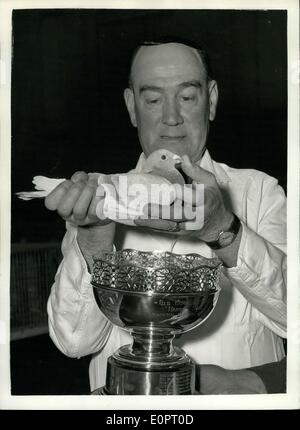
[(163, 157)]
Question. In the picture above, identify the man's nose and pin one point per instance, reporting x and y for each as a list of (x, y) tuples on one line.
[(171, 113)]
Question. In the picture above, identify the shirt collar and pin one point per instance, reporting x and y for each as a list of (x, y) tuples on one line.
[(206, 162), (217, 169)]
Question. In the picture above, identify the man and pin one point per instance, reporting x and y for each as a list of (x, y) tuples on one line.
[(171, 100)]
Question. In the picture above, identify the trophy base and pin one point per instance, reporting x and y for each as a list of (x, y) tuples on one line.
[(129, 378), (103, 392)]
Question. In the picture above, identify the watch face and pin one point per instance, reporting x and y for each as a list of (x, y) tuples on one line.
[(226, 238)]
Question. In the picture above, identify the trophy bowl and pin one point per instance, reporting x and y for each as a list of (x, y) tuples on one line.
[(155, 296)]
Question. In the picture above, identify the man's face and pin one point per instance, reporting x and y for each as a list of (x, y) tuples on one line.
[(171, 101)]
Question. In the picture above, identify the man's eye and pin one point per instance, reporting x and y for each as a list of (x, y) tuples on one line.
[(188, 98), (152, 101)]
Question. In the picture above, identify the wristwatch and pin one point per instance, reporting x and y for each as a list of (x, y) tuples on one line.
[(226, 237)]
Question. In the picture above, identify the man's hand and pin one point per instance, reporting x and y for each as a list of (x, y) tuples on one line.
[(209, 213), (75, 200), (212, 379), (216, 216)]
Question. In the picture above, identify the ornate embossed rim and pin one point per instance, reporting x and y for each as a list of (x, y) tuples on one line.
[(208, 262), (199, 263), (213, 290)]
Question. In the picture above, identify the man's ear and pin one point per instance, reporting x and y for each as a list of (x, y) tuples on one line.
[(213, 99), (129, 100)]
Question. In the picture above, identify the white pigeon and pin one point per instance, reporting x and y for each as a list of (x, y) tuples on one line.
[(127, 194)]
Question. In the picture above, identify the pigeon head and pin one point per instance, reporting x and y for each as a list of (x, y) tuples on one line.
[(166, 164), (162, 159)]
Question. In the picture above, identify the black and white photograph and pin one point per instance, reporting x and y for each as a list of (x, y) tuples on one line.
[(150, 228)]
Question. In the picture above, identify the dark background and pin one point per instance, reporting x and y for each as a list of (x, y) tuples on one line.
[(69, 71)]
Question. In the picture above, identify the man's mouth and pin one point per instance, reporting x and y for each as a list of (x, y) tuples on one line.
[(169, 137)]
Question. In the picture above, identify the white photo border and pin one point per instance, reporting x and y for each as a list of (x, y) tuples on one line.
[(290, 400)]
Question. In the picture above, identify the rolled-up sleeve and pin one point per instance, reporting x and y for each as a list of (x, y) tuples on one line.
[(76, 325), (261, 272)]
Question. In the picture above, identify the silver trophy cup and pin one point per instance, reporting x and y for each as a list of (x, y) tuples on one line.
[(155, 296)]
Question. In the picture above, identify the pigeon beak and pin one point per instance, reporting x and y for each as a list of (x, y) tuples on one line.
[(177, 159)]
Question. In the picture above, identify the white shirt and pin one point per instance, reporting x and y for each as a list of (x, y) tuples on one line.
[(249, 320)]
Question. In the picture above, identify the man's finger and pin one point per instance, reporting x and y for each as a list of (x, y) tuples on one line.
[(196, 224), (81, 207), (157, 224), (174, 212), (191, 194), (53, 199), (79, 176), (66, 205), (96, 208), (97, 202)]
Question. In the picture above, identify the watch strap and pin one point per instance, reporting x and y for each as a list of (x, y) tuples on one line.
[(234, 229)]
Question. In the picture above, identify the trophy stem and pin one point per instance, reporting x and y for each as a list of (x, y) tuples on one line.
[(152, 344)]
